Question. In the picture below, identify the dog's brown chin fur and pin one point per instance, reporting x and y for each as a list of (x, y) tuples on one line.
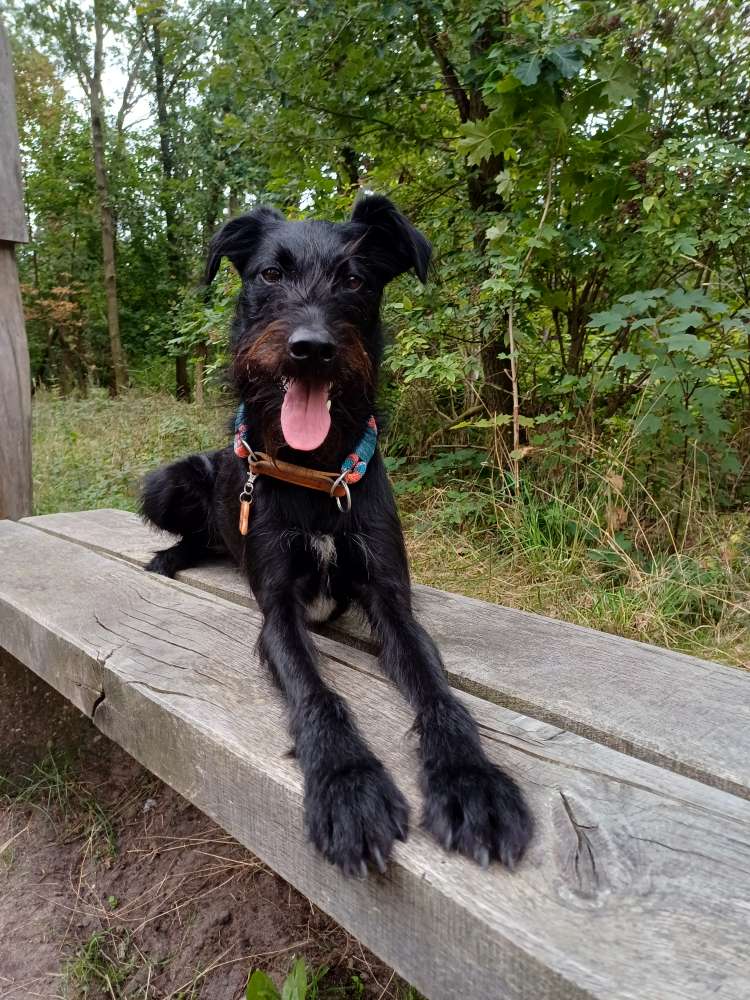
[(262, 363)]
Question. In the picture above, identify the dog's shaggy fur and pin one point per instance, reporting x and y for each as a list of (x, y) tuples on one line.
[(323, 282)]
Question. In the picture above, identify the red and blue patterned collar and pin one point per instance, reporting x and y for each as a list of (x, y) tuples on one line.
[(354, 465)]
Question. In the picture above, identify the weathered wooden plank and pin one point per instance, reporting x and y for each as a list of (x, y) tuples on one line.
[(683, 713), (636, 886), (12, 218), (15, 380), (15, 391)]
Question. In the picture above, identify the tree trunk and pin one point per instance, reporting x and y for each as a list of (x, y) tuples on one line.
[(119, 365), (348, 178), (167, 196), (200, 373), (481, 187), (212, 210), (182, 378)]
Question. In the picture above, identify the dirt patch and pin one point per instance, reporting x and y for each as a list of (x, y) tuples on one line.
[(112, 885)]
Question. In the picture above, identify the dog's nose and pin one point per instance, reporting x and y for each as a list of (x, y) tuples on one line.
[(312, 344)]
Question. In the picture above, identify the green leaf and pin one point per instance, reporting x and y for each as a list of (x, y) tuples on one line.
[(666, 372), (641, 302), (477, 141), (295, 985), (688, 342), (506, 84), (628, 360), (497, 231), (260, 987), (567, 58), (685, 245), (649, 423), (484, 423), (682, 299), (730, 463), (610, 320), (504, 182), (683, 322), (618, 81), (648, 203), (527, 72)]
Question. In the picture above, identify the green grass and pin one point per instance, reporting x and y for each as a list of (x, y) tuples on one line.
[(99, 967), (695, 601), (591, 547), (54, 787), (93, 452), (103, 965)]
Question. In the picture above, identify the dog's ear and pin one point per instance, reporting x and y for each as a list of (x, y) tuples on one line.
[(238, 238), (392, 242)]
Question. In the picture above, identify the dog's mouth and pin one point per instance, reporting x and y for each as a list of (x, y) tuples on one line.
[(305, 413)]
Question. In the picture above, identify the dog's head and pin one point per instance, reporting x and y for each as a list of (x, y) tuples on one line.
[(306, 338)]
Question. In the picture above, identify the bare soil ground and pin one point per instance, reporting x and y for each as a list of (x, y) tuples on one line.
[(113, 886)]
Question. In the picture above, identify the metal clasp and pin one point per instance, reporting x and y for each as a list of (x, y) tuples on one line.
[(341, 481), (247, 492)]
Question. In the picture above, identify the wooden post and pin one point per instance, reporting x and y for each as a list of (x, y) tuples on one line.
[(15, 377)]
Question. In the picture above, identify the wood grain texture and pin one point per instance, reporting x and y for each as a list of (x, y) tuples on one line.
[(15, 393), (12, 217), (637, 883), (683, 713)]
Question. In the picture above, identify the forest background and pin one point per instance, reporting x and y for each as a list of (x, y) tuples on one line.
[(569, 396)]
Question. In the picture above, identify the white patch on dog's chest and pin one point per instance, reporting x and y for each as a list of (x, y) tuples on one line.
[(323, 547), (321, 609)]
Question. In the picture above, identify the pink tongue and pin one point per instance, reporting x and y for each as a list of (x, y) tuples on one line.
[(305, 419)]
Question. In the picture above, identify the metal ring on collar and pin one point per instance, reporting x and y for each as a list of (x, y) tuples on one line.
[(250, 453), (341, 481)]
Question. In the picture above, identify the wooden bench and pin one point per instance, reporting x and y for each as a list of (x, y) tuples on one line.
[(636, 762)]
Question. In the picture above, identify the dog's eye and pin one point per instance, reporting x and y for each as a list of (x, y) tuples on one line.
[(271, 275), (352, 282)]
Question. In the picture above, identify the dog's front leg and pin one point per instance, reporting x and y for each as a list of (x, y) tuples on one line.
[(353, 809), (471, 805)]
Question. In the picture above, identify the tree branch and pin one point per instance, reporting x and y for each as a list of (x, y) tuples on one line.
[(453, 420), (128, 101), (436, 43)]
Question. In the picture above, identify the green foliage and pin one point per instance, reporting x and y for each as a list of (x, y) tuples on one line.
[(260, 987), (304, 983), (100, 965), (582, 170)]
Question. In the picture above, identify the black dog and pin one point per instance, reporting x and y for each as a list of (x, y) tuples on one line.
[(306, 345)]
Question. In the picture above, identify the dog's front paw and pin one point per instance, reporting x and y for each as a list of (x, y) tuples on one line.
[(163, 563), (478, 810), (353, 815)]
